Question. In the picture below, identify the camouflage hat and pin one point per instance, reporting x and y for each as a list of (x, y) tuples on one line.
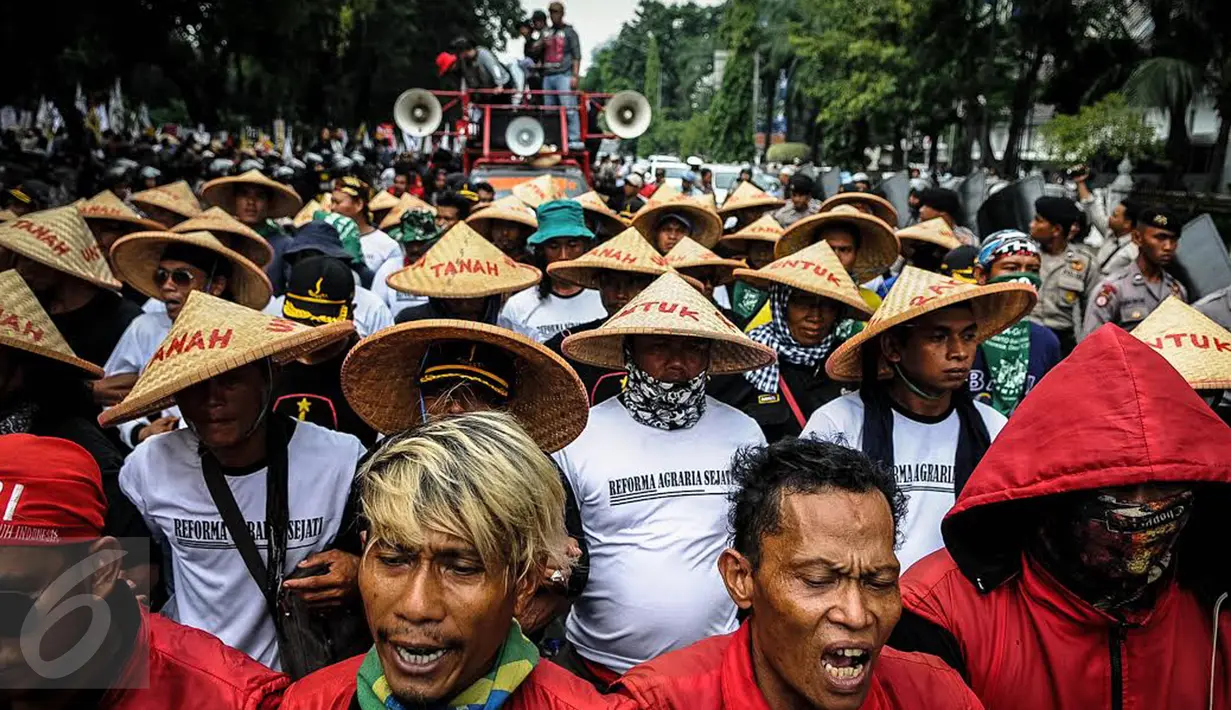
[(416, 226)]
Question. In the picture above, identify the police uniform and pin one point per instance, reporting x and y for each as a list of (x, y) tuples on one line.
[(1116, 254), (1128, 297), (1069, 281), (1217, 307)]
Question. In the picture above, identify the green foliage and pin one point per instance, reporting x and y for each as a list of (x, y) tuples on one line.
[(787, 152), (652, 84), (730, 115), (1110, 129)]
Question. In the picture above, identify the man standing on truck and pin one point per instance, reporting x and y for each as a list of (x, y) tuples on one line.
[(562, 68)]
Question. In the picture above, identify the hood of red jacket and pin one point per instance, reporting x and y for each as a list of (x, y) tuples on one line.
[(1113, 413)]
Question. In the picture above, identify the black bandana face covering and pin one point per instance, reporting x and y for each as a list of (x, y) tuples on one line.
[(663, 405)]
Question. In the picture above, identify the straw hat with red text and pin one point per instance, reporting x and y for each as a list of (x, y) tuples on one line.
[(283, 200), (136, 257), (231, 232), (26, 326), (878, 247), (1196, 346), (106, 207), (543, 188), (815, 269), (764, 229), (934, 231), (687, 256), (463, 264), (60, 239), (748, 196), (628, 251), (176, 198)]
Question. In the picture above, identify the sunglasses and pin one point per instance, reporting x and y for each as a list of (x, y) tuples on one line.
[(179, 277)]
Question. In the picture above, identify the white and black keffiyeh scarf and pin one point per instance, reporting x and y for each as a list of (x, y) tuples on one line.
[(777, 335), (662, 405)]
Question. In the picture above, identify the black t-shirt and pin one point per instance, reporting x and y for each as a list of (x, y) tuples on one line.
[(313, 393), (93, 330), (810, 387)]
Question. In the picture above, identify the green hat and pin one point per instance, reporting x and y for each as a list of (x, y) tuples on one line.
[(560, 219), (416, 226)]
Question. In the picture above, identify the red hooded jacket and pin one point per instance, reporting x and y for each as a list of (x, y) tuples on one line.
[(1114, 413), (548, 687), (716, 674)]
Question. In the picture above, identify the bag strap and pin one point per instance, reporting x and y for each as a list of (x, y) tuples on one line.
[(790, 400)]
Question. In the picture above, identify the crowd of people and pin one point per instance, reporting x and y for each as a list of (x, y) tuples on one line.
[(331, 439)]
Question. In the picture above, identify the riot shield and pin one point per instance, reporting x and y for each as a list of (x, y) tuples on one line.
[(831, 182), (896, 189), (1201, 262), (973, 192), (1012, 207)]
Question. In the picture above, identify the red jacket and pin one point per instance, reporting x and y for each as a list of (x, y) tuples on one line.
[(716, 674), (548, 687), (1113, 413), (188, 668)]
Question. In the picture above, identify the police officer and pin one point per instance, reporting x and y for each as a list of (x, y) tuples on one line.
[(1068, 272), (1128, 297)]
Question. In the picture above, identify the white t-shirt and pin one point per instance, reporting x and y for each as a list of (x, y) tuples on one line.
[(214, 591), (138, 343), (394, 299), (654, 509), (541, 319), (923, 455), (371, 314), (378, 248)]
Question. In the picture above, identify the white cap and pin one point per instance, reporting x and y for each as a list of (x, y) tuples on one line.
[(633, 179), (694, 161), (860, 177)]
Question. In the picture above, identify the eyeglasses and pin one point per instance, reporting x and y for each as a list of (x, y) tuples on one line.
[(179, 277)]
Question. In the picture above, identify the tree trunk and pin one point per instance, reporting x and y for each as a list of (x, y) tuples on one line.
[(1023, 103), (1178, 145), (899, 152), (934, 152)]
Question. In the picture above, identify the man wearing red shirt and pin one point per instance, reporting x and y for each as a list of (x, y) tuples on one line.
[(72, 634), (812, 558)]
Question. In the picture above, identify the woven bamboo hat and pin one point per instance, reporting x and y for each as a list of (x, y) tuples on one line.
[(670, 306), (688, 255), (627, 251), (506, 209), (1197, 347), (405, 203), (608, 218), (745, 196), (463, 265), (878, 248), (26, 326), (7, 215), (934, 231), (880, 207), (916, 292), (706, 224), (176, 197), (307, 214), (537, 191), (231, 231), (106, 207), (815, 269), (60, 239), (764, 229), (136, 257), (383, 201), (380, 379), (210, 337), (283, 201)]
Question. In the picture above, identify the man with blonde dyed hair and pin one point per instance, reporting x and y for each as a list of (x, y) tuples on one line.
[(464, 516)]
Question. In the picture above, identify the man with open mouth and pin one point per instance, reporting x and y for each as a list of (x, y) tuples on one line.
[(812, 559)]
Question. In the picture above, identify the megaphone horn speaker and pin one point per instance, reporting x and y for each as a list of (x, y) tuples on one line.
[(524, 136), (628, 114), (417, 112)]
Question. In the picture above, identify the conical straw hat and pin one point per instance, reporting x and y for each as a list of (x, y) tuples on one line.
[(1197, 347), (878, 248), (934, 231), (506, 209), (463, 265), (221, 224), (59, 239), (764, 229), (537, 191), (405, 203), (136, 256), (662, 193), (105, 206), (7, 215), (283, 200), (881, 208), (815, 269), (745, 196), (380, 379), (210, 337), (593, 204), (26, 326), (306, 214), (176, 197), (688, 254), (627, 251), (670, 306), (916, 292), (383, 200), (706, 224)]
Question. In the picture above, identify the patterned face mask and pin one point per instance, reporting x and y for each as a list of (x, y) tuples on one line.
[(662, 405)]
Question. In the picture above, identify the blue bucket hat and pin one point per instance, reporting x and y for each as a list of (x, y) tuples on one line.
[(560, 219)]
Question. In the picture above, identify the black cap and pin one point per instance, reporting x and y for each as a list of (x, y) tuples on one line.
[(34, 193), (801, 184), (1160, 219), (538, 15), (1060, 211), (959, 263), (321, 290), (485, 369), (941, 200)]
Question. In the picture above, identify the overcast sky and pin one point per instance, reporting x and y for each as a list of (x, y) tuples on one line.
[(596, 21)]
